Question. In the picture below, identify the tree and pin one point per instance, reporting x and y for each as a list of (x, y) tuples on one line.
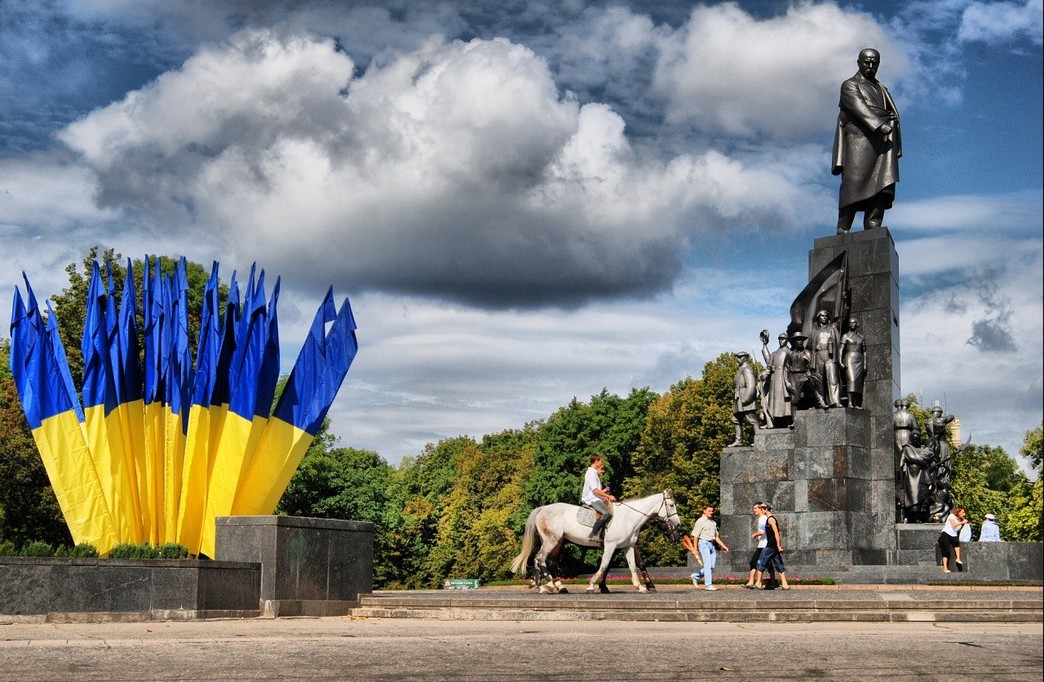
[(474, 538), (1023, 518), (680, 449), (416, 500), (1033, 448), (610, 426)]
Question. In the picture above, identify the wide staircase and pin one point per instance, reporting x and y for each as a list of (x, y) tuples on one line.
[(891, 603)]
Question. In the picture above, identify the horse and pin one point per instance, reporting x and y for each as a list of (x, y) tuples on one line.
[(557, 523)]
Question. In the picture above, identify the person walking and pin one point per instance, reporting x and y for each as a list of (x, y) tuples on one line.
[(762, 539), (772, 553), (704, 545)]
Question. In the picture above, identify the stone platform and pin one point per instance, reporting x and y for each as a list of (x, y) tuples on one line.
[(729, 604)]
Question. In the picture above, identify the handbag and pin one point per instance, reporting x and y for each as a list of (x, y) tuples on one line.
[(966, 533)]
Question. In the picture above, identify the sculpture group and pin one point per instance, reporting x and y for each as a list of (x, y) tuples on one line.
[(925, 471), (821, 359), (824, 371)]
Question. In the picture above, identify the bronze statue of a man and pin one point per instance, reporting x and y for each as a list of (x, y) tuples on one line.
[(867, 146), (745, 392), (825, 343)]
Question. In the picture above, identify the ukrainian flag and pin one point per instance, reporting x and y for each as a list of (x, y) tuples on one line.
[(314, 381), (165, 446), (45, 387)]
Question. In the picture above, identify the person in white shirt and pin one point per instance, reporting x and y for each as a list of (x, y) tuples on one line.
[(949, 542), (705, 533), (762, 517), (990, 531), (595, 497)]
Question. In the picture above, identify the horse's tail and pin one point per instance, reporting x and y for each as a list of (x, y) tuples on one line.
[(528, 541)]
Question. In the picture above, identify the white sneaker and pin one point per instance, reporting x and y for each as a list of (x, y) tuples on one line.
[(711, 588)]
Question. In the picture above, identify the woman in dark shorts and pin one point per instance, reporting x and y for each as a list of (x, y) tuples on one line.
[(949, 539)]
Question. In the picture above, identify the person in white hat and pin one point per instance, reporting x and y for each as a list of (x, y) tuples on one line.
[(990, 531)]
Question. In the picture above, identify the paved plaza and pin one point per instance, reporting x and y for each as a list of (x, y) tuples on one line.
[(350, 648)]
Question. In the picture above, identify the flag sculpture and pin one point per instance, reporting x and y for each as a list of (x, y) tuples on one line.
[(160, 446)]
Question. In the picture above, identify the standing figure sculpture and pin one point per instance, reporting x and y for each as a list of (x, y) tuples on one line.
[(745, 391), (904, 423), (853, 360), (799, 367), (777, 405), (867, 146), (825, 344), (941, 472), (915, 483)]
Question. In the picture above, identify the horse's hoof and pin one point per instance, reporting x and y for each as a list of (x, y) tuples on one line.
[(590, 590), (603, 589), (650, 588), (562, 590)]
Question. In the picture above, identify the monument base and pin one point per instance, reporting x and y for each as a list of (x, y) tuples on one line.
[(309, 567), (820, 492)]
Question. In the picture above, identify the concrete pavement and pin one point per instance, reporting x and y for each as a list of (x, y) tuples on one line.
[(339, 648)]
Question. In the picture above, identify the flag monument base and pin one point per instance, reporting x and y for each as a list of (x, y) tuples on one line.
[(309, 567)]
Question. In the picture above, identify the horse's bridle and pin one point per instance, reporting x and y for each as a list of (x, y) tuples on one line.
[(654, 518)]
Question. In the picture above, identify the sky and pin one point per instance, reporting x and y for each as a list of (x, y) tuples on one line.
[(527, 202)]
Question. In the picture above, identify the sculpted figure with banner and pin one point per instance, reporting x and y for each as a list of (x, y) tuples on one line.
[(824, 344)]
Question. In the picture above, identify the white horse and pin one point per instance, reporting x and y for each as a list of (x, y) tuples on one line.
[(557, 523)]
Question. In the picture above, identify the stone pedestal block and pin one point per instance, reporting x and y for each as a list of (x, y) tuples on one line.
[(308, 566), (133, 589), (816, 476)]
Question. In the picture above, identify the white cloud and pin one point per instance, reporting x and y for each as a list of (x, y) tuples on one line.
[(997, 22), (727, 72), (455, 170)]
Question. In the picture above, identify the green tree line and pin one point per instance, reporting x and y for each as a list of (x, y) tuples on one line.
[(458, 508)]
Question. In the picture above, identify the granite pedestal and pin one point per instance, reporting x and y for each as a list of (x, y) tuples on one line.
[(315, 567), (58, 589)]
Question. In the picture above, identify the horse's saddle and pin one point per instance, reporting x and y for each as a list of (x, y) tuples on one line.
[(586, 516)]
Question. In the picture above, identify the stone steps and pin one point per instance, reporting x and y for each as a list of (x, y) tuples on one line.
[(729, 604)]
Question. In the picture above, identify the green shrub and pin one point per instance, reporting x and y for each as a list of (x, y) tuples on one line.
[(7, 548), (125, 550), (84, 550), (172, 550), (145, 551), (61, 551), (38, 548)]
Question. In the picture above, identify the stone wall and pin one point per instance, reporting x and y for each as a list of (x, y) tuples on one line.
[(128, 589)]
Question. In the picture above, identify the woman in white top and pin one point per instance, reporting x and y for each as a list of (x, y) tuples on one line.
[(762, 517), (949, 538)]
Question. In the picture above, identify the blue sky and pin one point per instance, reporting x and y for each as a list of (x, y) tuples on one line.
[(530, 201)]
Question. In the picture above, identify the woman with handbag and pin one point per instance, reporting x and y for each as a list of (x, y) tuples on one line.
[(949, 538)]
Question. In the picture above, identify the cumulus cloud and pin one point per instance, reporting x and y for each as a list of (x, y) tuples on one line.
[(727, 72), (455, 170), (998, 22)]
